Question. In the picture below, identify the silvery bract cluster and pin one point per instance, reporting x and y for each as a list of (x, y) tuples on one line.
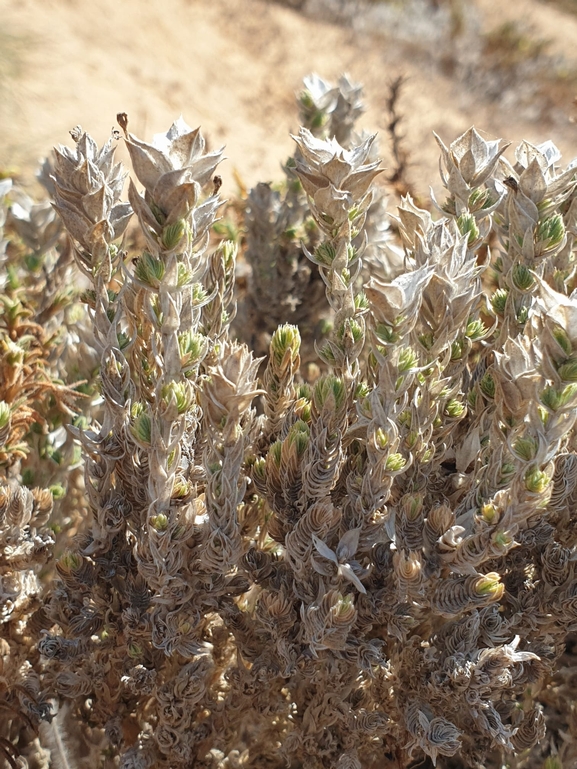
[(370, 563)]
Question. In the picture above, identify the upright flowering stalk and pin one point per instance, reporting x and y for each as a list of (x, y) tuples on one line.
[(87, 190), (328, 110), (338, 182), (176, 225)]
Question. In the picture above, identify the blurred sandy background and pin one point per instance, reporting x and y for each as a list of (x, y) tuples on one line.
[(233, 66)]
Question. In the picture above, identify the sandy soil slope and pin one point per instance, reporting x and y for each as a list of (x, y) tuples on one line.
[(233, 66)]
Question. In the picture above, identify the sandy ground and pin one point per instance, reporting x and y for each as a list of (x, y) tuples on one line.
[(233, 66)]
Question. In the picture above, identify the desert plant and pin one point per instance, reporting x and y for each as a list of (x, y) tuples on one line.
[(374, 567)]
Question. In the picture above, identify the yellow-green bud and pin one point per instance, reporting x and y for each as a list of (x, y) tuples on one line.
[(468, 226), (172, 234), (454, 408), (182, 393), (490, 584), (490, 513), (407, 360), (568, 370), (4, 414), (526, 448), (159, 522), (563, 340), (329, 390), (191, 346), (285, 338), (551, 230), (499, 300), (275, 452), (134, 651), (259, 469), (150, 270), (381, 438), (395, 462), (536, 481), (476, 329), (487, 385), (142, 428), (522, 277), (325, 253)]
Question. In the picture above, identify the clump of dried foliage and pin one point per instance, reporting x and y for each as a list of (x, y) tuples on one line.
[(212, 560)]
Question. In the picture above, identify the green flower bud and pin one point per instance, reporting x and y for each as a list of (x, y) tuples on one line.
[(427, 456), (536, 481), (302, 409), (329, 390), (405, 418), (137, 408), (158, 213), (412, 439), (350, 328), (150, 270), (259, 469), (285, 338), (502, 539), (142, 428), (13, 352), (468, 226), (325, 253), (181, 489), (343, 605), (522, 277), (499, 300), (362, 390), (490, 584), (454, 408), (427, 340), (508, 469), (568, 370), (479, 199), (395, 462), (228, 250), (550, 231), (476, 329), (159, 522), (386, 334), (199, 294), (457, 348), (192, 347), (275, 452), (407, 360), (181, 393), (563, 340), (183, 275), (299, 437), (489, 513), (57, 490), (487, 385), (381, 438), (70, 561), (4, 414), (526, 448), (134, 651), (172, 234), (326, 353)]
